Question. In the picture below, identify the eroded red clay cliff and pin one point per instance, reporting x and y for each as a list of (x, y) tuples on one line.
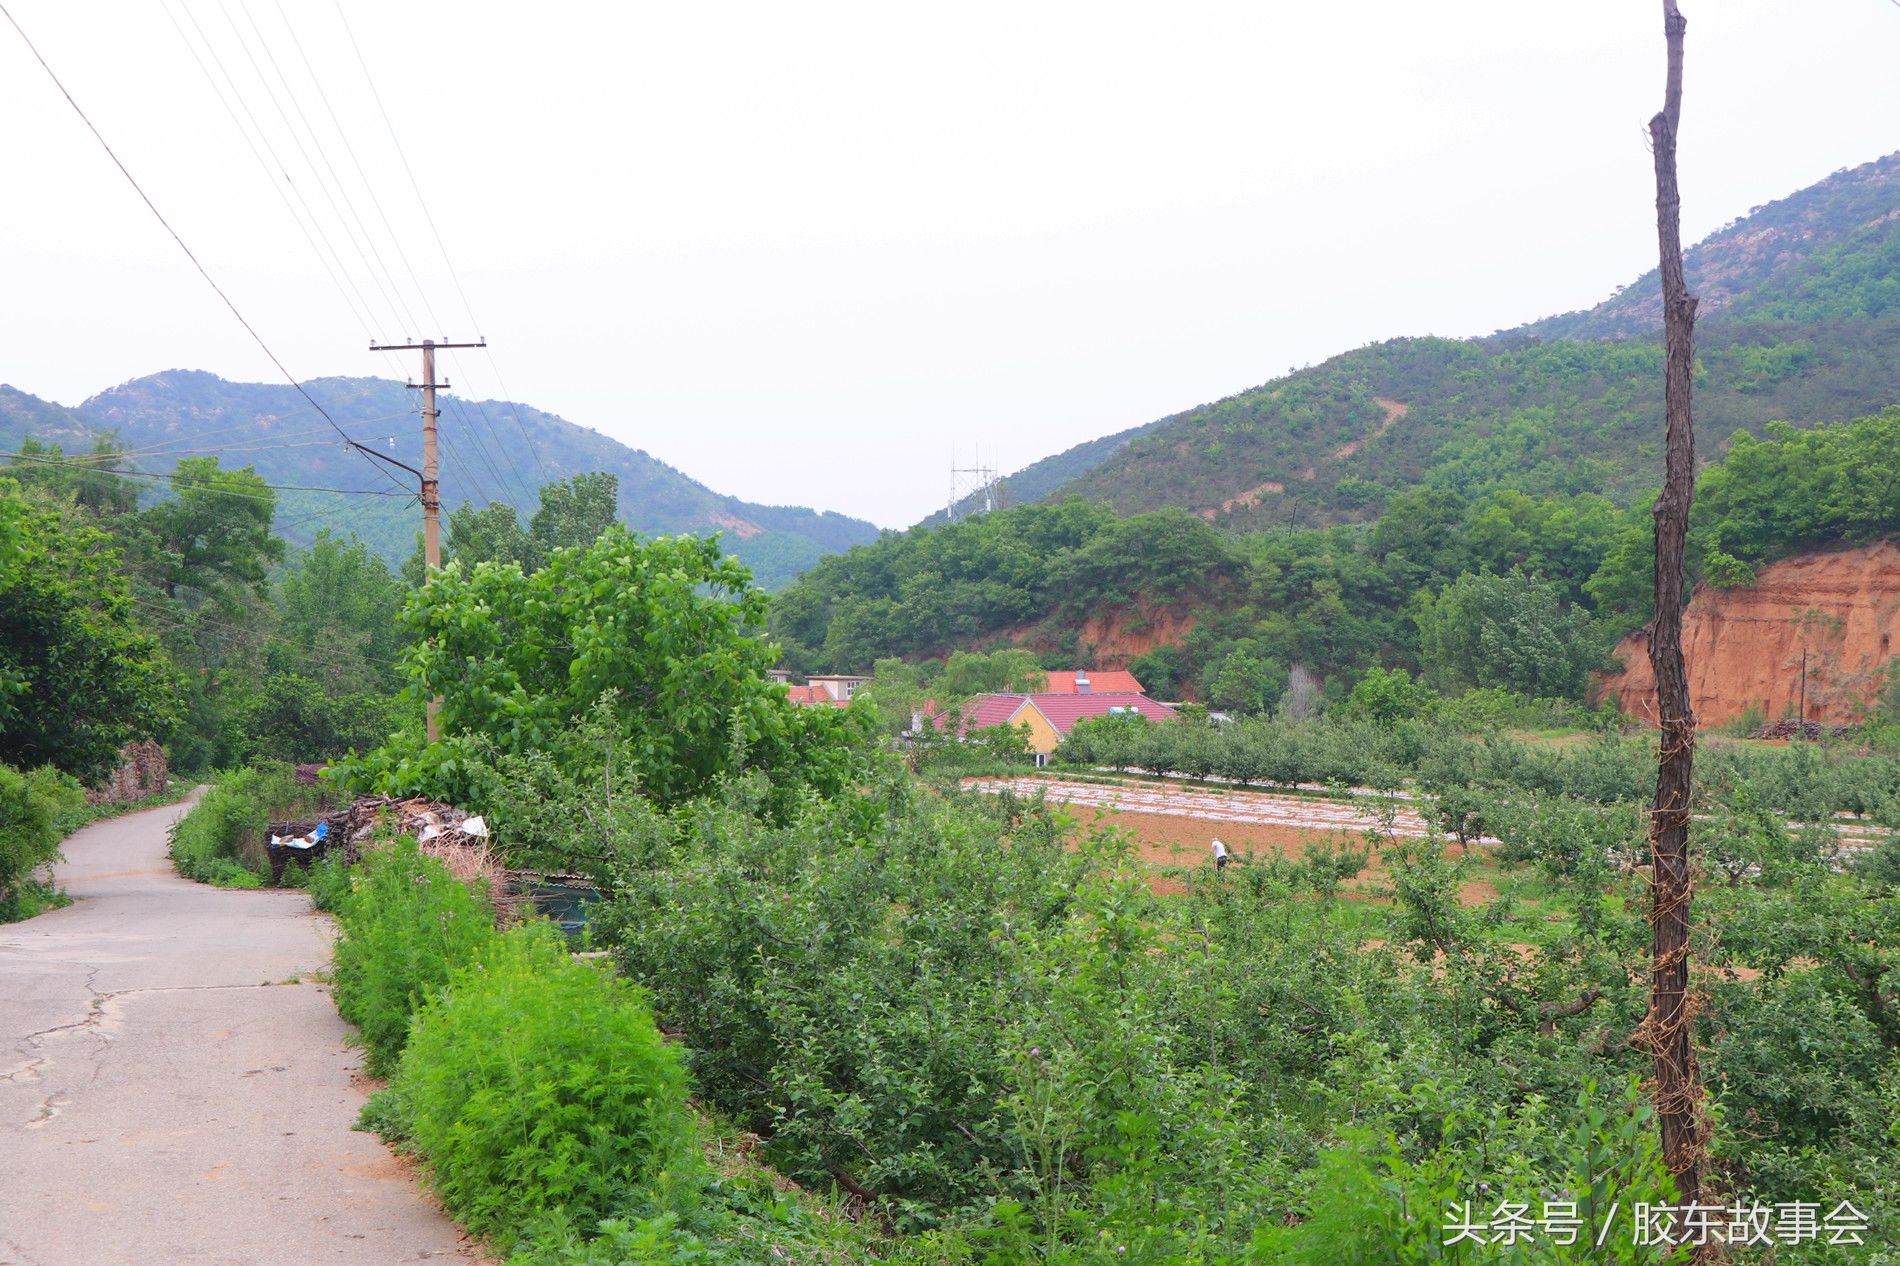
[(1744, 646)]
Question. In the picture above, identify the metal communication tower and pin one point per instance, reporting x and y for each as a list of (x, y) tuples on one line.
[(967, 482)]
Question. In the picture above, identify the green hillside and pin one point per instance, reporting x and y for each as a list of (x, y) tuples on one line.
[(1039, 479), (490, 450), (1474, 510), (1831, 250), (1801, 321)]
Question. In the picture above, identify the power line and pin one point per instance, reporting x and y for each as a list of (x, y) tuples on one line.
[(343, 132), (473, 434), (508, 397), (296, 139), (521, 483), (404, 157), (467, 476), (283, 169), (170, 447), (460, 410), (422, 202), (357, 306), (369, 238), (202, 272), (391, 289), (223, 492)]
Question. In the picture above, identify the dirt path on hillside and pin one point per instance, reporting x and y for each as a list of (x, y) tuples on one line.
[(174, 1084), (1394, 411)]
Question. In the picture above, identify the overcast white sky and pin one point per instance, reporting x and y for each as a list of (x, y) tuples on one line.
[(801, 251)]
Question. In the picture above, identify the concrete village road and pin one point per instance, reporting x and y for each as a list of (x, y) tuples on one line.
[(174, 1083)]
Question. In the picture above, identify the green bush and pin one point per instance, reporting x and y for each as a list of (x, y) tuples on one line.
[(406, 925), (741, 1221), (221, 841), (537, 1087), (31, 805), (327, 880)]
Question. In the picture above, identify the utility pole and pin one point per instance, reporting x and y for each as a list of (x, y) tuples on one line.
[(431, 466), (1802, 714)]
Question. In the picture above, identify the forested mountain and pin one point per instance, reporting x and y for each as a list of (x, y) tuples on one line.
[(1039, 479), (1475, 510), (1801, 321), (22, 415), (1831, 250), (491, 450)]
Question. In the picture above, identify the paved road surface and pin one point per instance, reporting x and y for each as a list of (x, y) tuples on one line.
[(169, 1092)]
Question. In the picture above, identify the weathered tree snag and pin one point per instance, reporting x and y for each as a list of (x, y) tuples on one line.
[(1666, 1031)]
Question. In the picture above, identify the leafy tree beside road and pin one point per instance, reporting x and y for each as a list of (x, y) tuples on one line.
[(661, 633), (79, 672)]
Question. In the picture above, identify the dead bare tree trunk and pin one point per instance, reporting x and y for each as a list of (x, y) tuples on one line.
[(1667, 1028)]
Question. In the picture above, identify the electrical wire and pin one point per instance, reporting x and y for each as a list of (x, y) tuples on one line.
[(454, 275), (170, 447), (283, 114), (460, 411), (357, 306), (157, 214), (369, 187), (479, 437), (529, 495), (223, 492), (369, 239)]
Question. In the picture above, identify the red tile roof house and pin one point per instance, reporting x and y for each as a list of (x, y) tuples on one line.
[(834, 690), (1099, 682), (1050, 717)]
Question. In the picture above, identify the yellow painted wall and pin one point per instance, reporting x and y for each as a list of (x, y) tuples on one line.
[(1042, 736)]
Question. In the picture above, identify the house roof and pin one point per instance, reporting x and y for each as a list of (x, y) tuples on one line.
[(1102, 681), (812, 695), (986, 710), (1061, 711)]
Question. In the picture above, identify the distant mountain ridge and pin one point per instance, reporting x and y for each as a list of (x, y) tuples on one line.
[(1779, 262), (490, 450), (1800, 321)]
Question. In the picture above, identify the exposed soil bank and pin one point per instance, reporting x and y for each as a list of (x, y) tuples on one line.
[(1744, 646)]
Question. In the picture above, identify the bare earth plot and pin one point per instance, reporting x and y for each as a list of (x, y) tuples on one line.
[(1252, 808), (174, 1085)]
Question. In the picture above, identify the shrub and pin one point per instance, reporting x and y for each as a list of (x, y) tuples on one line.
[(538, 1087), (407, 923), (31, 805), (221, 841), (327, 880)]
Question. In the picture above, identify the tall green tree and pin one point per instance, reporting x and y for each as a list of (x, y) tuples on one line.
[(212, 540), (339, 609), (659, 633), (91, 481), (1512, 632), (79, 673), (573, 513), (1008, 671), (492, 534)]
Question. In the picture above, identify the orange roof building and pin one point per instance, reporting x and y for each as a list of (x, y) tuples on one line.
[(1094, 682)]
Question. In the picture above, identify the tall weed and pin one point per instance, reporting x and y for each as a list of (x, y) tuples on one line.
[(406, 925), (221, 841), (537, 1088)]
